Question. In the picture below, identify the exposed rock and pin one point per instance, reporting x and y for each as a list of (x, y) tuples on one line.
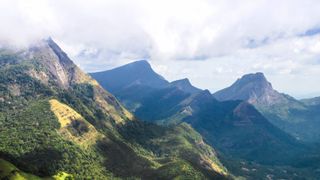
[(14, 89), (39, 75)]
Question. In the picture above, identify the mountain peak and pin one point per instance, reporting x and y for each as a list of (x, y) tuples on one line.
[(135, 73), (185, 80), (181, 82), (63, 57), (257, 75), (185, 85), (139, 65), (253, 78), (250, 87), (56, 66), (141, 62)]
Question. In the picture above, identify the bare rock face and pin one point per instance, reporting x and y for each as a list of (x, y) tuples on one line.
[(14, 89), (47, 56), (58, 66), (39, 75)]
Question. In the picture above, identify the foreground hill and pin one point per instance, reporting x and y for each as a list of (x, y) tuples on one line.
[(282, 110), (57, 120)]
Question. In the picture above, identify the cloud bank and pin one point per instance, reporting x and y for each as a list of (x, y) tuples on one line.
[(211, 42)]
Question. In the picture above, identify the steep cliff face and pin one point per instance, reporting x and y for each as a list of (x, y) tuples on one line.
[(51, 57)]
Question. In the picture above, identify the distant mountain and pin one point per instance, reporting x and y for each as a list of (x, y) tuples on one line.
[(282, 110), (255, 89), (185, 85), (248, 87), (135, 82), (133, 74), (56, 121), (236, 127)]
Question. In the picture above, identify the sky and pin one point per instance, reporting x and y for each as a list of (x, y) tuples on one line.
[(211, 42)]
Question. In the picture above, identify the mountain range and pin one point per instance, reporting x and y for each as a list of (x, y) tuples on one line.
[(204, 112), (235, 120)]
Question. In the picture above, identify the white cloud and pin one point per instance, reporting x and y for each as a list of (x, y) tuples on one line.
[(212, 42)]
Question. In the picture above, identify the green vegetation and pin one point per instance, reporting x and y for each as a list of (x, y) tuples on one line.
[(294, 118), (30, 140), (251, 170), (38, 148), (54, 129), (180, 141), (9, 171)]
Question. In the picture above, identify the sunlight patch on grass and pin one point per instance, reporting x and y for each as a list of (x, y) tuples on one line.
[(73, 126), (64, 113)]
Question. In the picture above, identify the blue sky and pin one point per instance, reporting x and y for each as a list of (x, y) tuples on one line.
[(211, 42)]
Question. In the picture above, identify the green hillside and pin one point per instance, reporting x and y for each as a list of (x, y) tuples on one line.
[(9, 171), (54, 118)]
